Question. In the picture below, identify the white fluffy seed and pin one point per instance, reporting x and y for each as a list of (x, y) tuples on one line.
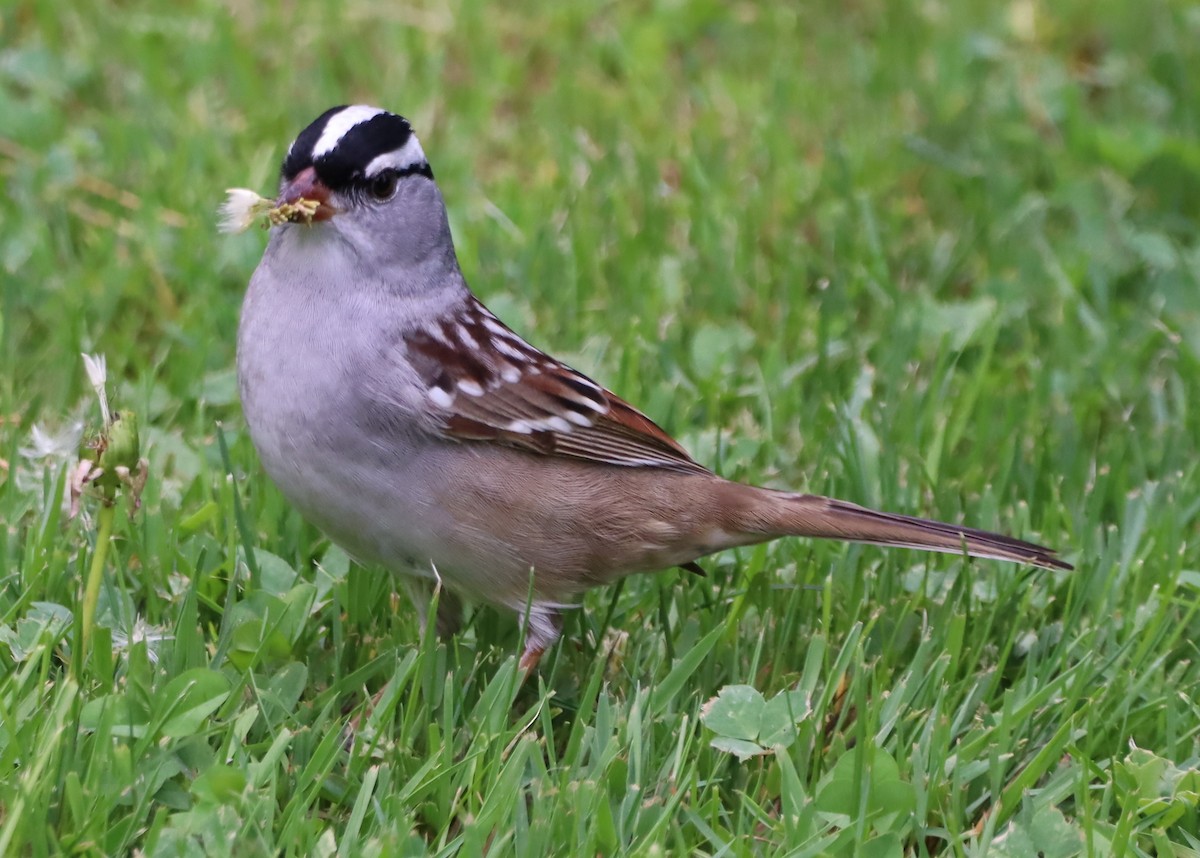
[(242, 207)]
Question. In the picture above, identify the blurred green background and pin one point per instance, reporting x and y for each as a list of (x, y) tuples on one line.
[(940, 257)]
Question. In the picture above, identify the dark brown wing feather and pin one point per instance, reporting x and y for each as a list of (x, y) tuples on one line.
[(491, 385)]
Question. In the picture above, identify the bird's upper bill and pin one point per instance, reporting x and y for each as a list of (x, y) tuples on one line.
[(303, 199)]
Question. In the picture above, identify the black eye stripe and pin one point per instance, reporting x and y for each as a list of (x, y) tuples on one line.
[(422, 169), (365, 182), (363, 187)]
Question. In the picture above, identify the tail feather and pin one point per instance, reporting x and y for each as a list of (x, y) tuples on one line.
[(828, 518)]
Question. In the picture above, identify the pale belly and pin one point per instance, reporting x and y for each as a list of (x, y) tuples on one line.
[(385, 505)]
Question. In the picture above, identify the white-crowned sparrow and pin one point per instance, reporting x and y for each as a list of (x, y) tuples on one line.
[(420, 433)]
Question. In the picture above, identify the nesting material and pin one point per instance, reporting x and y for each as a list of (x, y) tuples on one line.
[(243, 207)]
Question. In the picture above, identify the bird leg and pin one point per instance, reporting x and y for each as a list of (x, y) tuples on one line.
[(543, 625), (448, 620), (449, 607)]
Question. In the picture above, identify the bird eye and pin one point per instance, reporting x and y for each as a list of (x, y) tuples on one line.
[(383, 186)]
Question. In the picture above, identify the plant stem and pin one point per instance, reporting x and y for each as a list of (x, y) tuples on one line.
[(91, 595)]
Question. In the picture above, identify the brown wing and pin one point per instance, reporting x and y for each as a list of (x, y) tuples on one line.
[(488, 384)]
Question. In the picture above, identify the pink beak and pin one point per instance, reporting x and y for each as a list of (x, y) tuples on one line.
[(308, 186)]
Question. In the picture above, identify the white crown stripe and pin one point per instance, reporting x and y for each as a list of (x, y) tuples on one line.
[(339, 124)]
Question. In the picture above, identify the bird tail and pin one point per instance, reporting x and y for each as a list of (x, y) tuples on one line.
[(772, 514)]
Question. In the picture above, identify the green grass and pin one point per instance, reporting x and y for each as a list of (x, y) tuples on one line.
[(937, 257)]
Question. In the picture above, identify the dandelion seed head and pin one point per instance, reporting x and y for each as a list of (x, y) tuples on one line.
[(242, 207)]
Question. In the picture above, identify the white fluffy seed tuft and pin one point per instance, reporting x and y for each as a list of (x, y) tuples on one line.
[(242, 207)]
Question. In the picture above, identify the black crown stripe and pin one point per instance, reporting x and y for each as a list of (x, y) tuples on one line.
[(300, 155), (347, 161)]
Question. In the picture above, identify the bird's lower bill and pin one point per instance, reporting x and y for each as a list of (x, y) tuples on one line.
[(300, 211), (303, 199)]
